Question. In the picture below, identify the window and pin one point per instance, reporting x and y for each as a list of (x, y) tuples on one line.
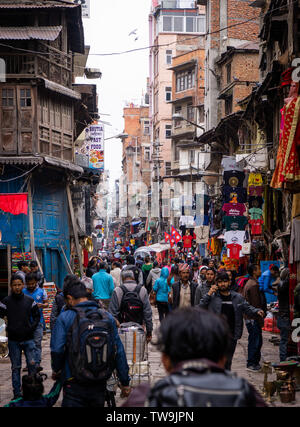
[(178, 24), (168, 57), (183, 24), (192, 156), (168, 131), (168, 23), (25, 97), (190, 112), (228, 72), (146, 127), (168, 94), (8, 98), (168, 167), (201, 114), (177, 123), (147, 154), (190, 24), (176, 153), (185, 80), (228, 105)]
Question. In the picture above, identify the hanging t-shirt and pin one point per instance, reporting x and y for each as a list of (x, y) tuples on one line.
[(234, 250), (256, 226), (234, 209), (235, 222), (230, 193), (187, 241), (255, 191), (234, 236), (255, 202), (229, 164), (234, 178), (255, 179), (256, 213)]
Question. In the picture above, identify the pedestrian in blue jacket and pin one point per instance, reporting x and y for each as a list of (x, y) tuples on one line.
[(162, 289), (103, 285), (266, 281)]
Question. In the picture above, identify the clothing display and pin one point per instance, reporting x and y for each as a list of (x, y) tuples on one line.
[(229, 164), (295, 241), (234, 250), (255, 179), (235, 222), (255, 202), (256, 213), (234, 178), (202, 234), (237, 237), (256, 191), (230, 194), (234, 209), (256, 226), (14, 203), (287, 162), (187, 241)]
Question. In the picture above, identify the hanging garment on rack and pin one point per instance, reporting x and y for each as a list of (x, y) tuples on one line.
[(295, 241), (14, 203)]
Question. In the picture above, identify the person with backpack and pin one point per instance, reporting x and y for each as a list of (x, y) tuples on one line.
[(103, 285), (130, 265), (85, 349), (146, 268), (59, 300), (130, 303), (194, 347)]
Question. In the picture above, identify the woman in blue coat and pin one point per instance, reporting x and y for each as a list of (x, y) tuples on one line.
[(162, 289)]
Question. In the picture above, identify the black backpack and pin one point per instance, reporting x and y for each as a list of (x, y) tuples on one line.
[(131, 307), (91, 348)]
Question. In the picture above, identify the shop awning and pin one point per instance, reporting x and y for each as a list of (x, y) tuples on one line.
[(30, 33), (62, 90)]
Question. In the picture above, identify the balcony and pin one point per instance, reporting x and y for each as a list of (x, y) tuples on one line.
[(178, 4), (51, 64)]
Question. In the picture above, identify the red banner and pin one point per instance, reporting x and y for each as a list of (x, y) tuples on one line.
[(14, 203)]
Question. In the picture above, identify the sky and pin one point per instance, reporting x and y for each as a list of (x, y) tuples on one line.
[(123, 76)]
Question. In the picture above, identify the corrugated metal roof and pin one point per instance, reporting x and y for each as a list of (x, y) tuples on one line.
[(28, 33), (61, 89), (20, 160), (36, 5)]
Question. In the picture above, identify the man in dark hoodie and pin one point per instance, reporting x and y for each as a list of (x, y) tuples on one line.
[(23, 317)]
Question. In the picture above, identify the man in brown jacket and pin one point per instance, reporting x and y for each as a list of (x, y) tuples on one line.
[(255, 297)]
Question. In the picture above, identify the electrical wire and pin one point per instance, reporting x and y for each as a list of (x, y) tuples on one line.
[(21, 176), (162, 45)]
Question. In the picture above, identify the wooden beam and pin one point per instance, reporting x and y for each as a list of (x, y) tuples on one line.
[(66, 260), (74, 229), (31, 228)]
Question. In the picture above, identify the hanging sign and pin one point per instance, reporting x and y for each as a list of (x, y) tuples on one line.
[(85, 7), (94, 136)]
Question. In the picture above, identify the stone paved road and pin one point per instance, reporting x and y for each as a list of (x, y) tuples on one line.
[(269, 353)]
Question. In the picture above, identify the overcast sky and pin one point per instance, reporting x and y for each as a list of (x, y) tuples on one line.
[(123, 76)]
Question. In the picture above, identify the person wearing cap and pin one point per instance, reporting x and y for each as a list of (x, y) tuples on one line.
[(183, 291)]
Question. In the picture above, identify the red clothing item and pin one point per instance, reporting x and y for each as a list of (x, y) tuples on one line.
[(234, 209), (14, 203), (256, 226), (187, 241), (234, 250)]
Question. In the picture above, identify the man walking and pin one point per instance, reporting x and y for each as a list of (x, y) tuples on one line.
[(84, 369), (255, 297), (40, 297), (131, 265), (232, 306), (130, 303), (23, 269), (103, 285), (34, 268), (183, 291), (23, 317), (266, 281)]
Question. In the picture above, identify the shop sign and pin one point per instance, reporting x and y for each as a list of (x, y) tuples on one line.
[(85, 7)]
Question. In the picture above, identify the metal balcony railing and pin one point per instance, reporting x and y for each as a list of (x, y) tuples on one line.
[(178, 4)]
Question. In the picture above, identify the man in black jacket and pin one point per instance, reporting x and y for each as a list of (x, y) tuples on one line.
[(183, 292), (23, 316), (232, 306), (283, 319), (194, 344)]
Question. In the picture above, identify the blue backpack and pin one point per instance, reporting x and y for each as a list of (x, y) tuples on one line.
[(91, 347)]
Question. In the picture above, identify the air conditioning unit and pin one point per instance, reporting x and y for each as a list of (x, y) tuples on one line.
[(92, 73)]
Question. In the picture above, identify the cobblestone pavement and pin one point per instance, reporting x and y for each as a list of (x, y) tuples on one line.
[(269, 353)]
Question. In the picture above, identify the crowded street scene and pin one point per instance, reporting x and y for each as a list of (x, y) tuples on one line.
[(149, 206)]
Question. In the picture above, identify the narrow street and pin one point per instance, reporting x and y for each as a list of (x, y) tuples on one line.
[(269, 353)]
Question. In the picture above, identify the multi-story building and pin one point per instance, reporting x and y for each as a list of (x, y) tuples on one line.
[(41, 115), (176, 27)]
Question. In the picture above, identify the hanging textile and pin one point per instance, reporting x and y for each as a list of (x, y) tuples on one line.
[(14, 203)]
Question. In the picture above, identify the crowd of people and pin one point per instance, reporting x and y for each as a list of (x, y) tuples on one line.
[(202, 308)]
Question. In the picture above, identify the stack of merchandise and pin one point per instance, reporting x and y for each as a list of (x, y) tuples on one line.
[(17, 257), (234, 219), (50, 288), (256, 201)]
